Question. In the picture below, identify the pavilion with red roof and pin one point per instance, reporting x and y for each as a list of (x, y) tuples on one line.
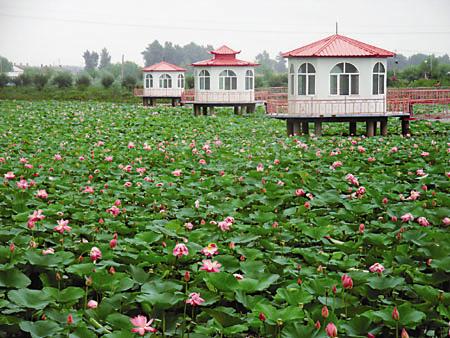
[(337, 79), (162, 80), (224, 80)]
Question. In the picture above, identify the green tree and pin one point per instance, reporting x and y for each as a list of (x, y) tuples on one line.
[(5, 65), (83, 81), (4, 80), (129, 82), (40, 80), (105, 59), (63, 80), (153, 53), (90, 60), (107, 80), (24, 79)]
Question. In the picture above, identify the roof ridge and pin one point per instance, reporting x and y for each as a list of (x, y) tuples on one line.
[(331, 38)]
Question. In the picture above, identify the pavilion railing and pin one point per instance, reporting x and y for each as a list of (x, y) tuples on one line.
[(158, 92)]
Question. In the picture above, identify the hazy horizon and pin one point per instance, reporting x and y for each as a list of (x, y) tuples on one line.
[(59, 31)]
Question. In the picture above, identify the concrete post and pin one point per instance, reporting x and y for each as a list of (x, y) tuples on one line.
[(211, 110), (384, 127), (370, 126), (318, 128), (205, 111), (305, 128), (290, 127), (236, 110), (405, 126), (296, 128), (352, 128)]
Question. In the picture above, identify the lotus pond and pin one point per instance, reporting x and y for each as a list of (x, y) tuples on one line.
[(218, 226)]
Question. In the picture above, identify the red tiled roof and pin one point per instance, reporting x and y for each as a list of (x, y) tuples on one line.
[(163, 66), (224, 56), (338, 46)]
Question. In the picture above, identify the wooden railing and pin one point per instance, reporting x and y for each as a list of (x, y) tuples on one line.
[(158, 92)]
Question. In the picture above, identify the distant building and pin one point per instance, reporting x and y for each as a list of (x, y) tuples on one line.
[(15, 72), (162, 80), (224, 80)]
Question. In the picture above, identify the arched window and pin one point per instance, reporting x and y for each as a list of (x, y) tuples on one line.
[(248, 80), (165, 81), (227, 80), (344, 79), (180, 81), (148, 80), (292, 76), (306, 79), (378, 79), (204, 80)]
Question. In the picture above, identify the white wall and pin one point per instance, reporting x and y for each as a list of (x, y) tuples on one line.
[(323, 67), (162, 92), (214, 73), (322, 103)]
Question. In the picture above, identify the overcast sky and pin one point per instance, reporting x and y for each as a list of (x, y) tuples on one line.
[(58, 31)]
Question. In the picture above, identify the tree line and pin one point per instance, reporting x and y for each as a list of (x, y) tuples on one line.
[(415, 70)]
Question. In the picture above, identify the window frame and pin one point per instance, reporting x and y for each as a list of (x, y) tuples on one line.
[(180, 81), (249, 80), (165, 81), (378, 77), (228, 78), (310, 71), (292, 79), (350, 75), (148, 78), (204, 80)]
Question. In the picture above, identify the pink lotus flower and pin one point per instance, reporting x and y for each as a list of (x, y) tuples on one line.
[(224, 225), (361, 191), (195, 299), (414, 195), (336, 164), (446, 221), (425, 154), (131, 145), (197, 204), (189, 225), (128, 184), (407, 217), (394, 150), (142, 326), (377, 268), (49, 251), (420, 172), (238, 276), (347, 281), (180, 250), (88, 190), (176, 173), (9, 175), (202, 161), (352, 179), (210, 266), (331, 330), (95, 254), (325, 312), (92, 304), (405, 333), (42, 194), (423, 221), (108, 158), (62, 226), (260, 167), (395, 314), (81, 158), (113, 211), (58, 157), (300, 192), (70, 319), (22, 184), (210, 250), (361, 228)]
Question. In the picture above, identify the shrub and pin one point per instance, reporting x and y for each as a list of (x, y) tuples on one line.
[(107, 80), (40, 80), (129, 82), (63, 80), (83, 81), (4, 80), (23, 79)]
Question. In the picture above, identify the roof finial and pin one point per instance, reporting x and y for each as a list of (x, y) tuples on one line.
[(336, 28)]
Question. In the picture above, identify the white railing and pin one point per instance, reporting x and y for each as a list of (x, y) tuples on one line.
[(225, 96), (162, 92), (330, 107)]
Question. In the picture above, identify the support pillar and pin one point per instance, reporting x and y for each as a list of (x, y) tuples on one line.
[(318, 128), (173, 102), (211, 110), (370, 128), (144, 101), (383, 127), (352, 128), (236, 110), (375, 126), (205, 111), (196, 110), (405, 127), (151, 101), (296, 128), (305, 128), (290, 127)]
